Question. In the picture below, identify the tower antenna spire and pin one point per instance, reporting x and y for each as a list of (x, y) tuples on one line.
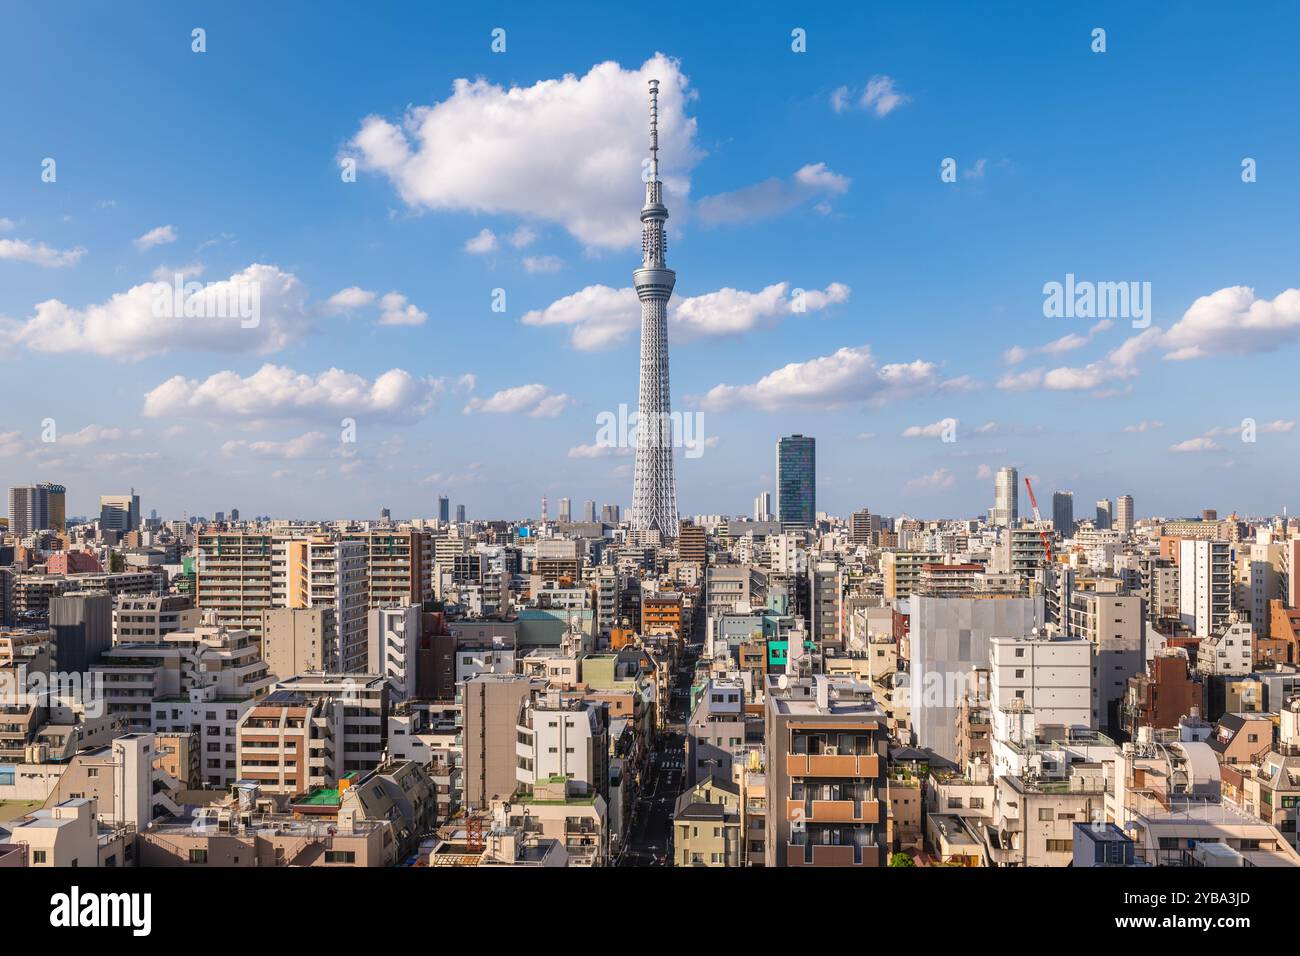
[(654, 130)]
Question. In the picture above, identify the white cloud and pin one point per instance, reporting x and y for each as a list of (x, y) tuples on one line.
[(535, 401), (543, 263), (158, 236), (983, 472), (353, 297), (143, 321), (934, 430), (881, 96), (395, 310), (1143, 426), (277, 392), (90, 435), (1066, 343), (38, 253), (773, 196), (849, 376), (1233, 321), (602, 317), (528, 151), (1195, 445), (169, 273), (840, 99), (6, 224), (941, 479), (484, 242), (522, 237), (598, 451), (310, 444)]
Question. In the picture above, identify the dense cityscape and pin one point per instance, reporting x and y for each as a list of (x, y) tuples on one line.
[(953, 599)]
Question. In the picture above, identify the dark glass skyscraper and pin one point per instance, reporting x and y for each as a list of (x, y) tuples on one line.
[(1063, 513), (796, 482)]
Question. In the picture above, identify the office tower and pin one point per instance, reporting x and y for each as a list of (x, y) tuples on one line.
[(1006, 499), (1063, 513), (220, 517), (29, 509), (609, 514), (444, 509), (56, 505), (763, 507), (1124, 514), (566, 513), (796, 482), (460, 514), (234, 514), (119, 513), (1205, 585), (385, 515), (1104, 514), (860, 527), (827, 747), (654, 490), (589, 511)]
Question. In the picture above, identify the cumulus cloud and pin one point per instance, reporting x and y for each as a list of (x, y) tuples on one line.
[(353, 297), (849, 376), (1195, 445), (396, 310), (602, 317), (38, 253), (773, 196), (145, 320), (535, 401), (277, 392), (159, 236), (1234, 321), (528, 151)]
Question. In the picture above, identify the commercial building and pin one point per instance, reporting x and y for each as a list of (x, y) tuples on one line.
[(796, 482)]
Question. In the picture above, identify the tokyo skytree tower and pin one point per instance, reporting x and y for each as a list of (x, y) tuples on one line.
[(654, 490)]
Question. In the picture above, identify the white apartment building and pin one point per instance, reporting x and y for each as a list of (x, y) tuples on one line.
[(1205, 585), (1229, 653), (1038, 686), (561, 739), (394, 640)]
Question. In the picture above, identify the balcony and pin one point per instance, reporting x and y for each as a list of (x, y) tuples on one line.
[(826, 765), (809, 854), (833, 811)]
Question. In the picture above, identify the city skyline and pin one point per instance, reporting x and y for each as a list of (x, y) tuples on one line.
[(923, 300)]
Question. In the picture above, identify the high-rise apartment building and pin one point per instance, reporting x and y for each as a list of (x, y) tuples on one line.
[(1006, 499), (861, 525), (566, 511), (1105, 515), (763, 506), (1124, 514), (1205, 585), (37, 508), (444, 509), (796, 482)]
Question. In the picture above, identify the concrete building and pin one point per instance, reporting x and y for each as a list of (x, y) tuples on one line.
[(827, 746), (148, 619), (394, 635), (492, 704), (1005, 512), (1205, 585), (796, 482), (706, 824), (295, 640)]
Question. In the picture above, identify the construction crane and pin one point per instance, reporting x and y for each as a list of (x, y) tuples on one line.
[(1038, 520)]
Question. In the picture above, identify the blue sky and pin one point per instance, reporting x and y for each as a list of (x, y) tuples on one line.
[(819, 170)]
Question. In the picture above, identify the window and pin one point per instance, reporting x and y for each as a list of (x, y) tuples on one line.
[(198, 856), (38, 857), (340, 856), (1059, 846), (1045, 813)]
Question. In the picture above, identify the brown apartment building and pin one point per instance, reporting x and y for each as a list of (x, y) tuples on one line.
[(827, 745)]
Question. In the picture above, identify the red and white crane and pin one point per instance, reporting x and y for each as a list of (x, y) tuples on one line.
[(1038, 520)]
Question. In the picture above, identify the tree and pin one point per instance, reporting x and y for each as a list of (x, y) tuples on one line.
[(901, 859)]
